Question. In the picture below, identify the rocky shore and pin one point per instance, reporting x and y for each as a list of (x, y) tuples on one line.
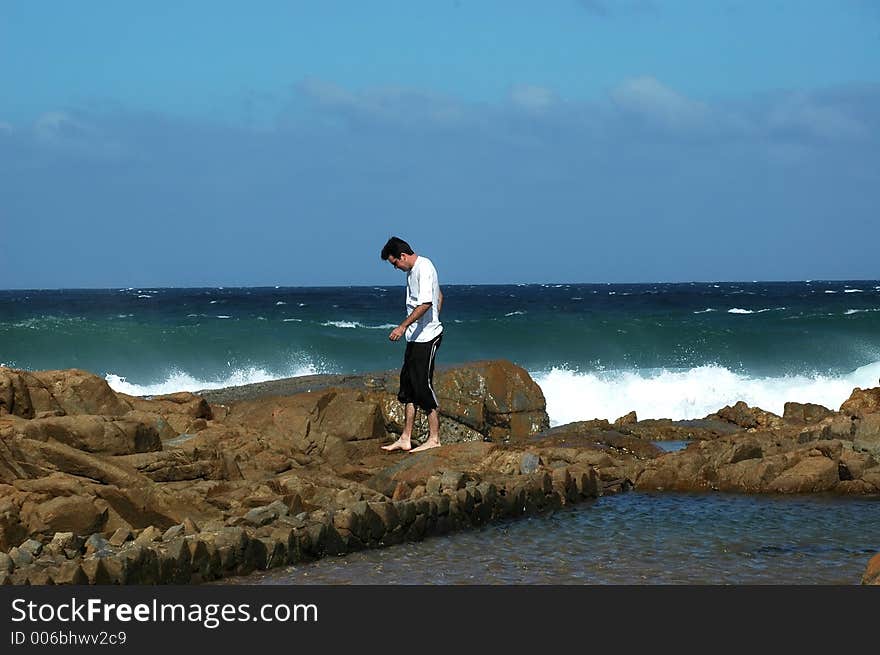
[(101, 487)]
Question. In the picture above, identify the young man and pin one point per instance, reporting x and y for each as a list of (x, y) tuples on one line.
[(423, 332)]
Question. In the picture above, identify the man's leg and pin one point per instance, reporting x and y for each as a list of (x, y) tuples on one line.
[(433, 440), (404, 442)]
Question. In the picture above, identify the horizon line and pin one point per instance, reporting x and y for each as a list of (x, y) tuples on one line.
[(451, 284)]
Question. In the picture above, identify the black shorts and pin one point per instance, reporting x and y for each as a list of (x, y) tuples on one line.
[(417, 374)]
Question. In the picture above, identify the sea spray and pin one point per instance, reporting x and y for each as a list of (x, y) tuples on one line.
[(687, 394)]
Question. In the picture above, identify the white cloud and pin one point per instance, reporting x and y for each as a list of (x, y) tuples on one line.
[(651, 99), (802, 113), (55, 126), (391, 104), (532, 98)]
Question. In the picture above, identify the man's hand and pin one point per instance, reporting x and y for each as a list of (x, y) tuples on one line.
[(396, 333)]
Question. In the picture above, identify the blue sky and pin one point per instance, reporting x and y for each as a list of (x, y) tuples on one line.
[(201, 144)]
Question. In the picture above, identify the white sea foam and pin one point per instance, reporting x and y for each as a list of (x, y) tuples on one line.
[(291, 320), (852, 291), (687, 394), (704, 311), (183, 381), (357, 324), (737, 310), (860, 311), (516, 313), (829, 291), (224, 316), (280, 302), (143, 295)]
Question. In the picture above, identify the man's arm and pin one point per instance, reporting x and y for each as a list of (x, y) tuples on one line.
[(440, 302), (415, 315)]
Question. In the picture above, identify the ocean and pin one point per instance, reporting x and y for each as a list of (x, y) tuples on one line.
[(677, 351)]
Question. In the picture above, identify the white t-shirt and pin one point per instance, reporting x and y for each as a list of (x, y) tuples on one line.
[(423, 286)]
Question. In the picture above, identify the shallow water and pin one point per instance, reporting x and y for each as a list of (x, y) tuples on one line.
[(630, 538), (671, 446)]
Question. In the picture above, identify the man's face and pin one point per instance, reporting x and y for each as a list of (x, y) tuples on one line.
[(401, 263)]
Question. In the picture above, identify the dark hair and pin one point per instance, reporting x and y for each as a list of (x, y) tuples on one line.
[(395, 248)]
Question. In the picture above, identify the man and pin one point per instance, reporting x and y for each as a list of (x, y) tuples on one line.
[(423, 332)]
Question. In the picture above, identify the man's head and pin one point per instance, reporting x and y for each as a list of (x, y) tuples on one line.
[(399, 254)]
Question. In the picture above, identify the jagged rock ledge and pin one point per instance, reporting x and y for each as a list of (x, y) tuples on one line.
[(98, 486)]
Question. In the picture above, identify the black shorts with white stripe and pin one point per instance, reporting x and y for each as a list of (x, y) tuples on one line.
[(417, 374)]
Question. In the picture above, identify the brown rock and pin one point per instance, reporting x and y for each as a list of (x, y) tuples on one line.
[(871, 575), (747, 417), (862, 402), (867, 434), (350, 418), (805, 412), (627, 419), (811, 474), (95, 434), (75, 514)]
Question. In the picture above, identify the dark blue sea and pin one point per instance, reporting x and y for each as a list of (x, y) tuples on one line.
[(597, 350)]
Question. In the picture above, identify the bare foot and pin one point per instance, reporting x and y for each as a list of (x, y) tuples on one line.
[(400, 444), (430, 443)]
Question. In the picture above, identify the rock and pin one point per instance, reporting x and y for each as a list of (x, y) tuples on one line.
[(6, 563), (747, 417), (97, 545), (805, 412), (871, 575), (452, 480), (95, 434), (488, 394), (70, 573), (72, 391), (628, 419), (77, 514), (867, 434), (190, 527), (120, 536), (862, 402), (149, 534), (20, 557), (33, 547), (811, 474), (266, 514), (348, 417), (528, 463), (173, 532), (64, 542)]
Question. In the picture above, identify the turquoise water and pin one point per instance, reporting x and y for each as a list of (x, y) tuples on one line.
[(677, 351), (631, 538)]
